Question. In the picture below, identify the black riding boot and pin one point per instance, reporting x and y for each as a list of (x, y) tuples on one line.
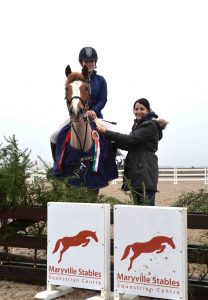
[(53, 150)]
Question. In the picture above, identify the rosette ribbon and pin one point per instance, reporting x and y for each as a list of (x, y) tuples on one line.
[(95, 138), (66, 142)]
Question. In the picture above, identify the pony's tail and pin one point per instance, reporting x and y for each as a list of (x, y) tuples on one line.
[(57, 246), (126, 252)]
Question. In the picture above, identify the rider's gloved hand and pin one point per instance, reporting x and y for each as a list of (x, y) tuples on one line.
[(91, 115)]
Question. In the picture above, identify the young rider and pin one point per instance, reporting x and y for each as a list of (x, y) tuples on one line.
[(98, 91), (98, 86)]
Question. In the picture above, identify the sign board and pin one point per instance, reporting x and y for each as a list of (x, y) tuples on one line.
[(77, 244), (150, 251)]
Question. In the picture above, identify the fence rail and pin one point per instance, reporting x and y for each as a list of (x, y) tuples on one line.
[(176, 174)]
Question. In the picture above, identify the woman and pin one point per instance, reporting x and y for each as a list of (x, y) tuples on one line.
[(141, 163), (98, 91)]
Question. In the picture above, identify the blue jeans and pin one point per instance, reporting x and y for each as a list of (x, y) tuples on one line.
[(144, 199)]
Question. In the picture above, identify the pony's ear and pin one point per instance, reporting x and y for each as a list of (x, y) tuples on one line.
[(85, 72), (67, 70)]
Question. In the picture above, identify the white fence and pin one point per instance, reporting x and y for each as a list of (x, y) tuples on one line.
[(176, 174)]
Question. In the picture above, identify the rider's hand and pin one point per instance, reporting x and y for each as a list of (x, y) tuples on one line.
[(91, 114)]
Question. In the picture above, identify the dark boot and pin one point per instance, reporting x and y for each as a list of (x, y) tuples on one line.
[(53, 151)]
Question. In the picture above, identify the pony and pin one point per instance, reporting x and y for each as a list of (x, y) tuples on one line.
[(82, 238), (82, 155), (155, 244), (77, 96)]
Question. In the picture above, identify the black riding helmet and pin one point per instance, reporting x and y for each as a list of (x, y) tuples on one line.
[(88, 53)]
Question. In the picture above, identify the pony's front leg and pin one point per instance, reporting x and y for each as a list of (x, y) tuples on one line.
[(162, 248), (132, 259), (86, 243), (61, 253)]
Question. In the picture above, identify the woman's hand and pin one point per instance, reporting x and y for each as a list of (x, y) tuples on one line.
[(100, 126)]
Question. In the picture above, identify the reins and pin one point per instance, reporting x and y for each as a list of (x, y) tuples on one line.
[(95, 139), (81, 147)]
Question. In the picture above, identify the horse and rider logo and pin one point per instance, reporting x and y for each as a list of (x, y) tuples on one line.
[(155, 244), (81, 239)]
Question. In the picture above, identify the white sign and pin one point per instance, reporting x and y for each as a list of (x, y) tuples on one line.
[(76, 244), (150, 251)]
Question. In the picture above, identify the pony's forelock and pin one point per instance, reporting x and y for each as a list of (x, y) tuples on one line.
[(74, 76)]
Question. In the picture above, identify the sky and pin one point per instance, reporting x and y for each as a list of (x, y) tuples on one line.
[(155, 49)]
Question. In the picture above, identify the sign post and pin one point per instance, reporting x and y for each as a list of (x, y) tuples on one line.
[(78, 249), (150, 252)]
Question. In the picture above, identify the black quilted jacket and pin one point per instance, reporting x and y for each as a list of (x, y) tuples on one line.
[(141, 163)]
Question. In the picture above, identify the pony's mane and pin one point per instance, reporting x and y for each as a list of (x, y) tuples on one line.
[(75, 76)]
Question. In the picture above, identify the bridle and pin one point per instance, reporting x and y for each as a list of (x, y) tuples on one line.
[(81, 111), (80, 144), (84, 103)]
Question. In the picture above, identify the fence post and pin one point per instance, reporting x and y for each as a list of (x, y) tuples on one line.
[(175, 180), (106, 292), (205, 175), (87, 271), (144, 276)]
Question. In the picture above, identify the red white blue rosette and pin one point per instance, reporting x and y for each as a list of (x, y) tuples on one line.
[(95, 138)]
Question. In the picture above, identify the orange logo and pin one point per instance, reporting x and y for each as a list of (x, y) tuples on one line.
[(155, 244), (82, 238)]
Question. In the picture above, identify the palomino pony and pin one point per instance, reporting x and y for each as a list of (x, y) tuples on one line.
[(81, 239), (155, 244), (81, 154)]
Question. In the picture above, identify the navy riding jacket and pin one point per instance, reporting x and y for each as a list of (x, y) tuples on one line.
[(98, 95)]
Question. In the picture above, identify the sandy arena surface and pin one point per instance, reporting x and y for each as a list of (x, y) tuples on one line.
[(167, 195)]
